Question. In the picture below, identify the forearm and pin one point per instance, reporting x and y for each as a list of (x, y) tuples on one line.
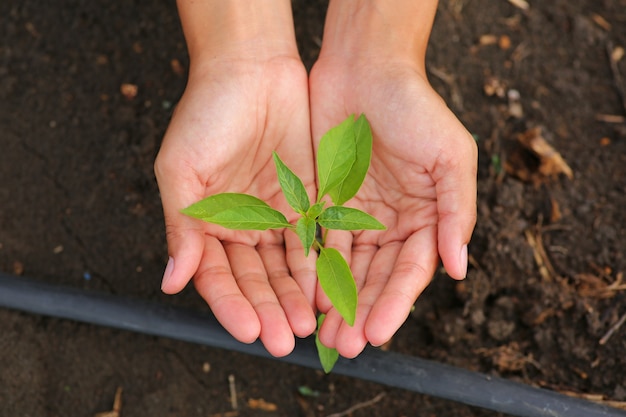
[(378, 29), (235, 29)]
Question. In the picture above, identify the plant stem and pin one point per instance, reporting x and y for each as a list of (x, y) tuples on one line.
[(317, 245)]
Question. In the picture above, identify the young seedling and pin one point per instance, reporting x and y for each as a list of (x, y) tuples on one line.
[(343, 158)]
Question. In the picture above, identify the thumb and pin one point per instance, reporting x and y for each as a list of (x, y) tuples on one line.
[(185, 240), (456, 206), (185, 244)]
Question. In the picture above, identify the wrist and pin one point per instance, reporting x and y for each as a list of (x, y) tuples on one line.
[(237, 29), (378, 30)]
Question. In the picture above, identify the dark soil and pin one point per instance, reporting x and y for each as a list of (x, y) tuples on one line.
[(79, 206)]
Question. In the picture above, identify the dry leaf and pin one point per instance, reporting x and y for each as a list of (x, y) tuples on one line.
[(129, 90), (601, 21), (494, 87), (521, 4), (102, 59), (507, 358), (617, 54), (504, 42), (261, 404), (177, 67), (18, 268), (555, 211), (515, 104), (488, 40), (590, 285), (536, 161)]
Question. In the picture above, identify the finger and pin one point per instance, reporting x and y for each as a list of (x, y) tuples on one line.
[(322, 302), (414, 268), (328, 332), (351, 340), (297, 308), (216, 284), (340, 240), (302, 267), (456, 207), (252, 279), (361, 260)]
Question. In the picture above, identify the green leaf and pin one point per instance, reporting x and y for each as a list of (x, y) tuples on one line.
[(363, 155), (292, 186), (305, 229), (308, 392), (237, 211), (335, 156), (346, 218), (336, 280), (315, 210), (328, 356)]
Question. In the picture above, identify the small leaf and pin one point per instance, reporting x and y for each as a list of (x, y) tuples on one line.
[(328, 356), (363, 155), (336, 280), (335, 156), (305, 229), (308, 392), (315, 210), (237, 211), (346, 218), (292, 186)]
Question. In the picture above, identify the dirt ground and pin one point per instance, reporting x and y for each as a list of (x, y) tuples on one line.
[(79, 206)]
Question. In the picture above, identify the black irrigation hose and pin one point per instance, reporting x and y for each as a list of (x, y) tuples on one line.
[(392, 369)]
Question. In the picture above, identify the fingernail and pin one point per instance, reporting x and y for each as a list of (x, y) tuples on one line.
[(463, 260), (168, 272)]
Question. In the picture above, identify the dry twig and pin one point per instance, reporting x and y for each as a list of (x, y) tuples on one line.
[(597, 398), (117, 405), (613, 329), (541, 257), (610, 118), (226, 414), (617, 76), (596, 287), (358, 406), (232, 387), (508, 358), (601, 22)]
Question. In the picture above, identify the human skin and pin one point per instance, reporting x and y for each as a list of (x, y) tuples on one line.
[(246, 97), (422, 179)]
